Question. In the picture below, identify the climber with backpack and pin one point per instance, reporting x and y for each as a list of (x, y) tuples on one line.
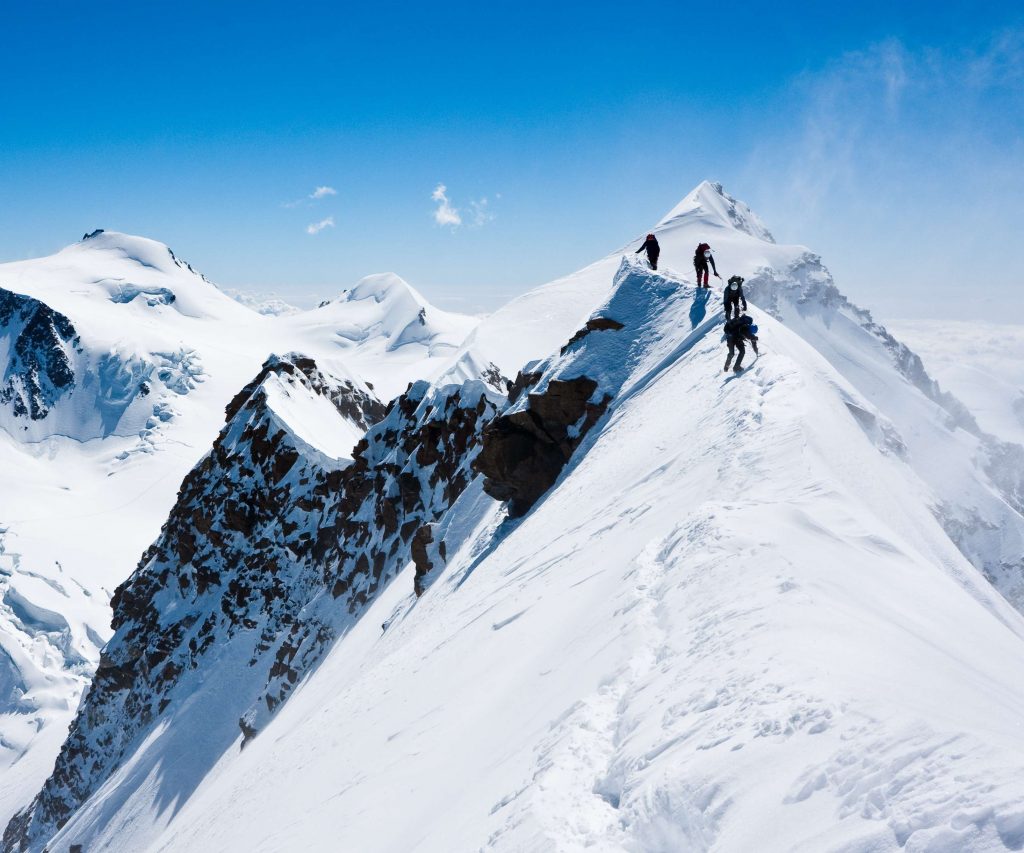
[(737, 331), (653, 250), (734, 296), (701, 258)]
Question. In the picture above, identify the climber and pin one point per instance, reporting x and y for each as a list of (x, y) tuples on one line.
[(734, 296), (653, 250), (701, 258), (737, 330)]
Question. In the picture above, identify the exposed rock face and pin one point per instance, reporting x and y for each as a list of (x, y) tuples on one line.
[(270, 553), (525, 450), (594, 324), (524, 380), (408, 471), (41, 344)]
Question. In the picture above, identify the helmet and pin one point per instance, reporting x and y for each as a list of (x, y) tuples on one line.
[(650, 236), (736, 278), (735, 285), (707, 253)]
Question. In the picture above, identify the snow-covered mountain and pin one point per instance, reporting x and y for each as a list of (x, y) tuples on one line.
[(974, 480), (636, 604), (385, 330), (117, 360)]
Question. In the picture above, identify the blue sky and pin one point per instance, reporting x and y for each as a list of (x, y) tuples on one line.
[(889, 137)]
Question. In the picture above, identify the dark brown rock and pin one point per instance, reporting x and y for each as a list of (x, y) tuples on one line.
[(524, 451), (594, 324)]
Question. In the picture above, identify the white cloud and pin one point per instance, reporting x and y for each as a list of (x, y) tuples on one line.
[(444, 213), (317, 194), (476, 214), (480, 213), (262, 303), (317, 227)]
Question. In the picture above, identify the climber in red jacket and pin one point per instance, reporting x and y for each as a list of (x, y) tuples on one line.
[(701, 258)]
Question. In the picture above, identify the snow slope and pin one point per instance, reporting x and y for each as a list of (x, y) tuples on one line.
[(726, 627), (117, 360)]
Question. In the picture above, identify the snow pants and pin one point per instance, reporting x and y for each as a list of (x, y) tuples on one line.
[(653, 260), (701, 267), (733, 346)]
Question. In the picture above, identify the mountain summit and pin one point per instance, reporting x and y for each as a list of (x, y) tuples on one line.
[(710, 206)]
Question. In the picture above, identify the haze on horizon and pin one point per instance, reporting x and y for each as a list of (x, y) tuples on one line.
[(480, 151)]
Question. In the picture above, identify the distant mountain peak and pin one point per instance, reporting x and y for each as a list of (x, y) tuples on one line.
[(711, 204), (151, 254), (381, 287)]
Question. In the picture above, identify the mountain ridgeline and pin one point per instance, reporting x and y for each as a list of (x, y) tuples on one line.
[(688, 510), (270, 553)]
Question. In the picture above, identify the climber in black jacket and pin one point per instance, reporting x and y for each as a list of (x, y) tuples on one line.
[(653, 250), (737, 330), (734, 296)]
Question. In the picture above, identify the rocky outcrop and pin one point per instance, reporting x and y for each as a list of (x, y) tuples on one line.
[(525, 450), (41, 344), (594, 324), (270, 553)]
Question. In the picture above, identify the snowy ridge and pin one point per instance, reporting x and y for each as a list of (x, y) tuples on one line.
[(731, 611), (166, 623), (268, 556), (975, 480)]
